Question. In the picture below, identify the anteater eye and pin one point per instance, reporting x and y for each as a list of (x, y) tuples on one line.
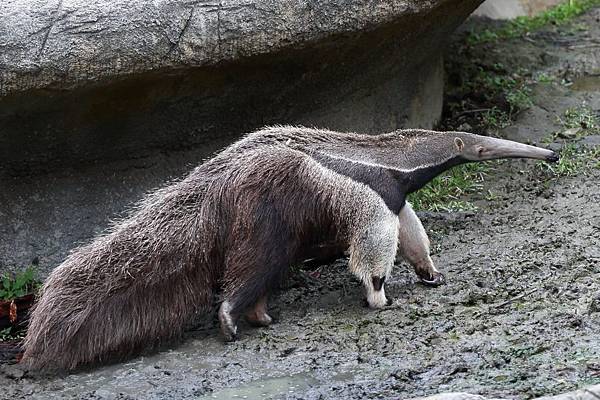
[(481, 151)]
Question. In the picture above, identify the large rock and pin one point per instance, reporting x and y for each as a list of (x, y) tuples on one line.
[(94, 93)]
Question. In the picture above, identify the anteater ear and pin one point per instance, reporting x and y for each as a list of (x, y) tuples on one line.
[(459, 144)]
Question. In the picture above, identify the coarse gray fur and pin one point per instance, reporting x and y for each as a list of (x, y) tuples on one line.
[(234, 225)]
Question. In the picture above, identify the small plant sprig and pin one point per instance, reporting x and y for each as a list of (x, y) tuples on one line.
[(581, 117), (577, 122), (18, 284)]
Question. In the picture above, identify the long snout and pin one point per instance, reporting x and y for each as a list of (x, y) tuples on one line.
[(501, 148)]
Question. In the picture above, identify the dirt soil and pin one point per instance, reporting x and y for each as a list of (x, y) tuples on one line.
[(518, 318)]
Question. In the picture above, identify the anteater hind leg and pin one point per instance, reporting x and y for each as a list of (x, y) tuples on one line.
[(252, 272), (258, 315), (247, 295), (372, 251), (413, 246)]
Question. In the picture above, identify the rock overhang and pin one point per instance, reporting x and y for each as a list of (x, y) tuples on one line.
[(98, 100)]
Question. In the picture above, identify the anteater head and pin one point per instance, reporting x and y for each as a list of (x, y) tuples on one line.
[(472, 147), (429, 153)]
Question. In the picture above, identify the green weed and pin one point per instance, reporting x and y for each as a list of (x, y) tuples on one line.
[(495, 118), (454, 336), (545, 78), (18, 284), (515, 89), (581, 117), (519, 98), (577, 122)]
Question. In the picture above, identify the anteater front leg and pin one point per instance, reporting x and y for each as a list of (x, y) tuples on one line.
[(413, 246), (373, 248)]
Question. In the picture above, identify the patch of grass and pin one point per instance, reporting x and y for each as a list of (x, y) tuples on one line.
[(491, 95), (577, 122), (574, 161), (520, 26), (543, 77), (495, 118), (519, 98), (445, 191), (18, 284), (514, 86), (581, 117), (514, 89)]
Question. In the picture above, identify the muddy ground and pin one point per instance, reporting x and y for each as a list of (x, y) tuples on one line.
[(518, 318)]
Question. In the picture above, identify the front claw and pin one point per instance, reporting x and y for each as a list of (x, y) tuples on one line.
[(435, 279), (388, 302), (229, 335)]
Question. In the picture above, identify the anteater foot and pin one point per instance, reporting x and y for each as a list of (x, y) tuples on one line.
[(258, 316), (229, 336), (259, 320), (366, 304), (228, 325), (434, 279), (376, 299), (229, 332)]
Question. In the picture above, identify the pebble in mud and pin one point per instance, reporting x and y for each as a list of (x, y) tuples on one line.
[(595, 304)]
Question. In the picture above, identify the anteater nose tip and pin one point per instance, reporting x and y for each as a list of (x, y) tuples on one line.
[(553, 157)]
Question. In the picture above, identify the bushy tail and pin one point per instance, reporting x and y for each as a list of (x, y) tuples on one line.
[(82, 317)]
